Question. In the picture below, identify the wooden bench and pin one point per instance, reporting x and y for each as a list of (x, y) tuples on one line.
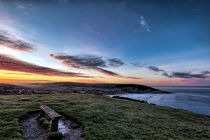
[(51, 114)]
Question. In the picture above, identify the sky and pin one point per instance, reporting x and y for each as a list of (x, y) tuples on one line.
[(150, 42)]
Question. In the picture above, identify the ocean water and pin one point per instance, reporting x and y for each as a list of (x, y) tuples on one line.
[(195, 99)]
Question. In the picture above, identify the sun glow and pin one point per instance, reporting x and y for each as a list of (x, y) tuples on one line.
[(21, 77)]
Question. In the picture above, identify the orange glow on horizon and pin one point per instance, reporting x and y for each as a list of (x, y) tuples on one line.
[(22, 77)]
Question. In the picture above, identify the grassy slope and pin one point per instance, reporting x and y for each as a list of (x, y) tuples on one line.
[(107, 118)]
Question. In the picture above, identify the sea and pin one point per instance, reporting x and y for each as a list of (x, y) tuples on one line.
[(195, 99)]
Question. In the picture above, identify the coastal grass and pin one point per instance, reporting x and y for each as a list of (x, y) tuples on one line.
[(105, 118)]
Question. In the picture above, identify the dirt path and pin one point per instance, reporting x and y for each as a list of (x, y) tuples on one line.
[(32, 130)]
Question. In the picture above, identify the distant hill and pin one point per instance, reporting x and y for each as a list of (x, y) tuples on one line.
[(72, 87)]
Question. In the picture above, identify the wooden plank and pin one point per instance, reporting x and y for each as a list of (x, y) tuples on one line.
[(51, 113)]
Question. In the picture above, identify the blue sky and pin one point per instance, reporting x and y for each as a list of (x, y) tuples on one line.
[(172, 35)]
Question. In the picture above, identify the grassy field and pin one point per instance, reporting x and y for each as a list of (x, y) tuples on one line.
[(106, 118)]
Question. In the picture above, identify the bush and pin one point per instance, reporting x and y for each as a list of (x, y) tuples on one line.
[(54, 135)]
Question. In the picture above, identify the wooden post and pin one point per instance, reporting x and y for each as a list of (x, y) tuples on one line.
[(54, 125)]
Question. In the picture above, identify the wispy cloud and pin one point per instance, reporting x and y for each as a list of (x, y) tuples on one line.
[(189, 75), (11, 41), (13, 64), (90, 62), (186, 75), (115, 62), (143, 23), (81, 62), (155, 68), (107, 72)]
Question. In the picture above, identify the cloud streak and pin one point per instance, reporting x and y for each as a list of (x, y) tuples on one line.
[(13, 64), (152, 68), (110, 73), (115, 62), (186, 75), (7, 40), (80, 62), (91, 62), (156, 69)]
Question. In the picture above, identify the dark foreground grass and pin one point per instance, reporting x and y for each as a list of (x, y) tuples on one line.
[(106, 118)]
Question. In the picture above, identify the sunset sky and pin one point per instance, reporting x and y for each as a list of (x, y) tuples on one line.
[(151, 42)]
